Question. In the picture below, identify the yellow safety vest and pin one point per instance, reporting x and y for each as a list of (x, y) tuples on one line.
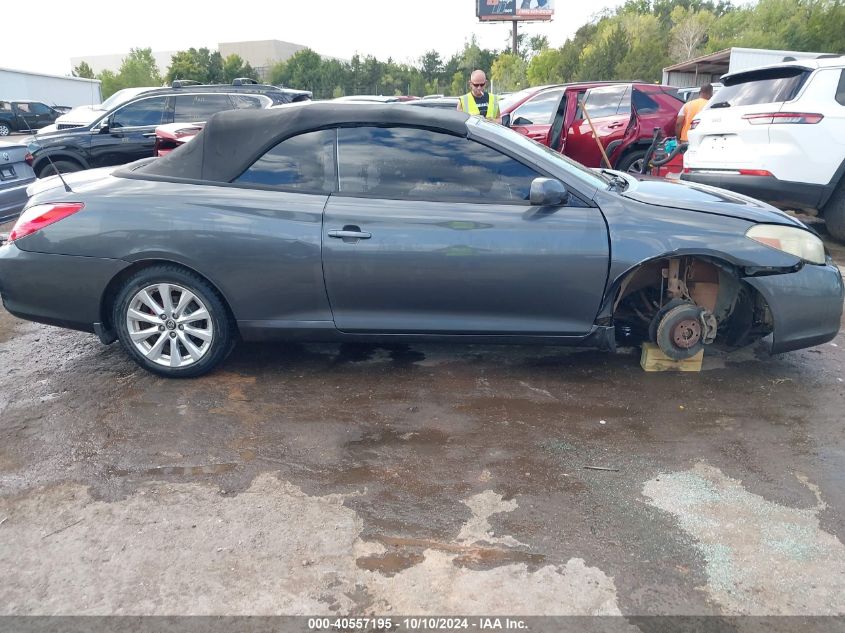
[(469, 106)]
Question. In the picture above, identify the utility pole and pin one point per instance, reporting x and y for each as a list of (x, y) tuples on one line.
[(515, 39)]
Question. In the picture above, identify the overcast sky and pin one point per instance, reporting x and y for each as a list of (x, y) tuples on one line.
[(402, 29)]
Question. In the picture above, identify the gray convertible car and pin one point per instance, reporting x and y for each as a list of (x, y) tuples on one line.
[(368, 222)]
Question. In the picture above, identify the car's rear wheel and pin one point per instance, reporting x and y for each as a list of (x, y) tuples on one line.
[(834, 213), (172, 322), (632, 163), (680, 333), (5, 129), (59, 166)]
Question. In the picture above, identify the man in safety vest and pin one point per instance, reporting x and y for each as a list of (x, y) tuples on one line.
[(478, 101), (689, 111)]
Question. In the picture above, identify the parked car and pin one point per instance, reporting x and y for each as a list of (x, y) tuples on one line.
[(173, 135), (25, 116), (126, 132), (624, 116), (87, 114), (688, 94), (446, 103), (366, 99), (778, 134), (368, 222), (15, 175)]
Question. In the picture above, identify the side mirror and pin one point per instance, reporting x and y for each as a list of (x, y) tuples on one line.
[(102, 127), (506, 120), (548, 192)]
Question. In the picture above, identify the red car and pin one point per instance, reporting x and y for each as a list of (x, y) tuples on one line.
[(624, 116)]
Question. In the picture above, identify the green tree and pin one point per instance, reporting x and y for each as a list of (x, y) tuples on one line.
[(185, 65), (234, 66), (546, 67), (509, 73), (83, 70)]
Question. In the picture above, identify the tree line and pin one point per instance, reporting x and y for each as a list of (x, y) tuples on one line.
[(634, 41)]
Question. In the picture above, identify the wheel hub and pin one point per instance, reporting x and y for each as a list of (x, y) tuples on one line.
[(686, 333)]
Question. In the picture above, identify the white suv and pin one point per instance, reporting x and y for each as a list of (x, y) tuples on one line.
[(777, 133)]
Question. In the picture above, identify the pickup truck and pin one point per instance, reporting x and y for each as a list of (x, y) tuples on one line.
[(25, 116)]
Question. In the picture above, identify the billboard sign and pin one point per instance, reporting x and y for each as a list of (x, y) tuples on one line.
[(491, 10)]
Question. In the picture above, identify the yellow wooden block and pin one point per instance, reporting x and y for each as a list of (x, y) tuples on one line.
[(652, 359)]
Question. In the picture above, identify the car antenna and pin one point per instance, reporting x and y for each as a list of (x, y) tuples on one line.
[(34, 147)]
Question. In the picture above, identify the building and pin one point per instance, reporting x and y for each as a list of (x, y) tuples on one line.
[(710, 68), (261, 54), (49, 89)]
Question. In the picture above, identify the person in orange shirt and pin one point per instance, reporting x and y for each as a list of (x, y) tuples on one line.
[(689, 111)]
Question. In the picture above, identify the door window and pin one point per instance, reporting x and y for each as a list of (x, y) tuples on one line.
[(417, 164), (199, 107), (645, 104), (539, 110), (302, 163), (23, 108), (840, 90), (40, 108), (605, 101), (143, 113), (251, 102)]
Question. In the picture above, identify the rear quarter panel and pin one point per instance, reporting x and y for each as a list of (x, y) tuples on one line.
[(261, 249)]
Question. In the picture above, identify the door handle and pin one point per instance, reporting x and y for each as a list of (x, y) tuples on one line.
[(149, 134), (350, 232), (613, 126)]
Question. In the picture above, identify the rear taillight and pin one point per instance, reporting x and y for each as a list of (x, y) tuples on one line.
[(755, 172), (28, 159), (694, 124), (37, 217), (769, 118)]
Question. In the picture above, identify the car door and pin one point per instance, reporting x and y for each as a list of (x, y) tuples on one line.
[(609, 109), (433, 233), (44, 115), (199, 107), (534, 117), (26, 118), (129, 133)]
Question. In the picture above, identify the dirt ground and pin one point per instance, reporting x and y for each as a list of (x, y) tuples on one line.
[(326, 479)]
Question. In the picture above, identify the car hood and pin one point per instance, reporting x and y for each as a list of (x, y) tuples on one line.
[(695, 197), (80, 115)]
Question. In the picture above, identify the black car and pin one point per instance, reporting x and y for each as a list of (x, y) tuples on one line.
[(127, 132), (25, 116)]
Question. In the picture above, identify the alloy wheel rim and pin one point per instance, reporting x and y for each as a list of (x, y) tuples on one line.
[(169, 325), (636, 166)]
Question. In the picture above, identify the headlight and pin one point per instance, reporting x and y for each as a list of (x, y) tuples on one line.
[(789, 239)]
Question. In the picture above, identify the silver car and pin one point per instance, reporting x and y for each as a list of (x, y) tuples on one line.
[(15, 174)]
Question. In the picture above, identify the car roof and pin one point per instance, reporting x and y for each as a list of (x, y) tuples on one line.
[(234, 139)]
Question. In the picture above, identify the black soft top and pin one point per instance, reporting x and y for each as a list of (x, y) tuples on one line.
[(233, 140)]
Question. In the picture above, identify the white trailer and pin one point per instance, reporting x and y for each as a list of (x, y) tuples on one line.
[(49, 89)]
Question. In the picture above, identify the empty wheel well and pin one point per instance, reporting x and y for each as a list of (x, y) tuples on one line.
[(715, 285), (114, 286)]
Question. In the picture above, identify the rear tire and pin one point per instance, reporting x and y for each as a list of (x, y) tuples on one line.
[(632, 162), (5, 129), (62, 166), (172, 322), (834, 213)]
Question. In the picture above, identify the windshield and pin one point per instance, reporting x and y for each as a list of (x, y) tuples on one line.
[(508, 102), (119, 97), (533, 149), (771, 85)]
